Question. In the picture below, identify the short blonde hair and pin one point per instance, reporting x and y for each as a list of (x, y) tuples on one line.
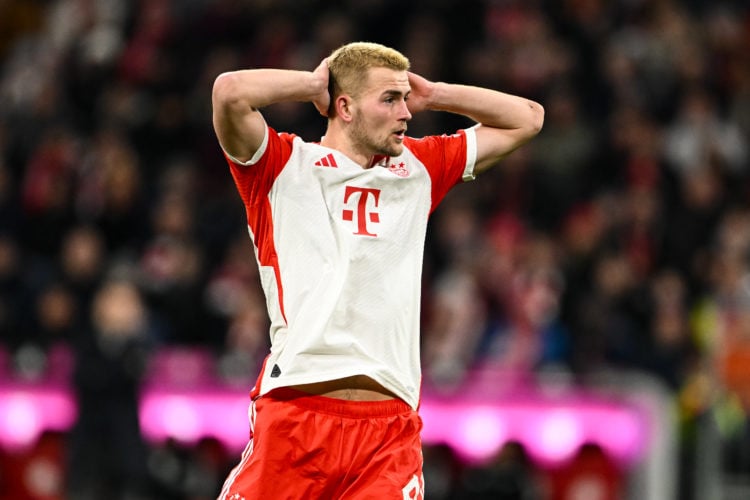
[(349, 63)]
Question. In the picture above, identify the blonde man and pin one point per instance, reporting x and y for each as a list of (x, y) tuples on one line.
[(338, 228)]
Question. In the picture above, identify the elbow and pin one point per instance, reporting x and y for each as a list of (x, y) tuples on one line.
[(232, 92), (225, 89), (536, 119)]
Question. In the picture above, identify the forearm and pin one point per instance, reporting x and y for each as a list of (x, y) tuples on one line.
[(238, 95), (257, 88), (506, 121), (488, 107)]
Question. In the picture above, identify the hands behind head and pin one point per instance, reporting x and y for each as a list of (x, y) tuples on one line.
[(419, 98), (322, 100), (421, 93)]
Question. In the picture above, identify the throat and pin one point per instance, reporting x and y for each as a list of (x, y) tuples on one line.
[(378, 161)]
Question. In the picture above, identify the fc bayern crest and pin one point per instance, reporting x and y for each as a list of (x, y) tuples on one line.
[(399, 169)]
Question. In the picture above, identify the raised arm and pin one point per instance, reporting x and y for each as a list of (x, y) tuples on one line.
[(506, 121), (238, 96)]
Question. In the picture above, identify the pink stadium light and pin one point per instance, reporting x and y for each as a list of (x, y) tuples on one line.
[(21, 422), (550, 434), (551, 429), (26, 412), (480, 431), (555, 436), (188, 416)]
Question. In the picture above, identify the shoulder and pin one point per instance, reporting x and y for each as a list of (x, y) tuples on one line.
[(275, 146), (444, 147), (456, 139)]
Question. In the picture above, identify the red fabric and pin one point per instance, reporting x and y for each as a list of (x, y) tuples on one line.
[(305, 446), (253, 183), (444, 157)]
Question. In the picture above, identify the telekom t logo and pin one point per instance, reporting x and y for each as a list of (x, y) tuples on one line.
[(362, 214)]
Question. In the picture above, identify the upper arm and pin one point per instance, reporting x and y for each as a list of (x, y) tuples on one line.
[(239, 127)]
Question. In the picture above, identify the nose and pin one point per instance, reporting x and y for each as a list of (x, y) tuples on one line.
[(405, 113)]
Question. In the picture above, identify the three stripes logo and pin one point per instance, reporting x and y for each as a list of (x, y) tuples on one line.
[(327, 161)]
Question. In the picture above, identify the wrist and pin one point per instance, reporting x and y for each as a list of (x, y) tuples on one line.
[(316, 85), (436, 96)]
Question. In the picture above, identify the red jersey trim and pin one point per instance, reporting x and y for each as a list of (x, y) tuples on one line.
[(444, 157), (254, 183)]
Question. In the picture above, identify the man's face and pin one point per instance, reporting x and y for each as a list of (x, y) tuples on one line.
[(380, 113)]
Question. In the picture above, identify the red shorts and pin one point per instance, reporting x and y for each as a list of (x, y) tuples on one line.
[(314, 447)]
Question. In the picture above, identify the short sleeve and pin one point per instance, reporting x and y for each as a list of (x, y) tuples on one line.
[(449, 160)]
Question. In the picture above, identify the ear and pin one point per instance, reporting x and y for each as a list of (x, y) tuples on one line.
[(343, 105)]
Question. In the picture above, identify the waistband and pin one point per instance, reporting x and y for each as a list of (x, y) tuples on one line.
[(340, 407)]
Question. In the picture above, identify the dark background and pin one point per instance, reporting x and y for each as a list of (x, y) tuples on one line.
[(617, 240)]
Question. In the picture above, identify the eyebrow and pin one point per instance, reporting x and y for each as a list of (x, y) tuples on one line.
[(395, 93)]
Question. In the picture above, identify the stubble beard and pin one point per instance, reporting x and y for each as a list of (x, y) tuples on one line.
[(365, 142)]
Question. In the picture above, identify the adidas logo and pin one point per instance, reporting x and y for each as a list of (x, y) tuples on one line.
[(327, 161)]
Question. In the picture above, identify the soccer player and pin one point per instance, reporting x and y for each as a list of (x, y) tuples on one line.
[(338, 228)]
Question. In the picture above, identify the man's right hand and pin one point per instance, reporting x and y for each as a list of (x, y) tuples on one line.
[(323, 100)]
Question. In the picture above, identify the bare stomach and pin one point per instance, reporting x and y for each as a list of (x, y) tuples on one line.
[(354, 388)]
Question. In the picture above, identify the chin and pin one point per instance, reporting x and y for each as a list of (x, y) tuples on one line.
[(394, 151)]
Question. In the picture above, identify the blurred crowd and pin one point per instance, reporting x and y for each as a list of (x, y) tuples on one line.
[(619, 239)]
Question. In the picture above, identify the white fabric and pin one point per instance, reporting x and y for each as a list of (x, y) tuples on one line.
[(343, 294)]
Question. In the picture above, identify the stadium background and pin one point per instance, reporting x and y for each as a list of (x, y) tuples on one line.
[(606, 261)]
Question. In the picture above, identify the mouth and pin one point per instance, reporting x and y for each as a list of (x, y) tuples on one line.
[(400, 134)]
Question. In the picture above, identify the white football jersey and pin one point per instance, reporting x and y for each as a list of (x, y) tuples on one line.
[(340, 251)]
